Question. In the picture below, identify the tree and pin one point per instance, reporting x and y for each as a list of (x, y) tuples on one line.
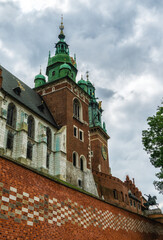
[(152, 139)]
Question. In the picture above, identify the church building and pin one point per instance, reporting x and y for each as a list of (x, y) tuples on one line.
[(56, 128)]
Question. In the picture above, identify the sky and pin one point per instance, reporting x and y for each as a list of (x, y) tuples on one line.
[(119, 42)]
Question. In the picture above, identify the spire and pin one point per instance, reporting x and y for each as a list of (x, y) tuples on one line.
[(61, 27), (87, 75)]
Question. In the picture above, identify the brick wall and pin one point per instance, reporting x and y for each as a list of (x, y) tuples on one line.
[(35, 207), (59, 97)]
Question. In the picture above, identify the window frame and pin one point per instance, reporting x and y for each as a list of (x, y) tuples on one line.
[(10, 140), (11, 115), (81, 132), (75, 127), (29, 150), (31, 127)]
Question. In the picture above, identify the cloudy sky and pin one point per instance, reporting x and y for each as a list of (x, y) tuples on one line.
[(119, 42)]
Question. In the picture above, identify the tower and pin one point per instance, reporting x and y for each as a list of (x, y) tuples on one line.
[(69, 103), (98, 134)]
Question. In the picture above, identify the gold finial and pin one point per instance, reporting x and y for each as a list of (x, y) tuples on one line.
[(81, 77), (87, 75), (40, 69), (61, 26)]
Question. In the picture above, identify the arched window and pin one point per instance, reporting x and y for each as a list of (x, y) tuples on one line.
[(81, 164), (11, 115), (31, 127), (76, 109), (29, 150), (115, 194), (10, 140), (49, 138), (74, 159)]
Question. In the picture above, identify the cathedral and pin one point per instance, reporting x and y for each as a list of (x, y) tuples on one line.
[(56, 128)]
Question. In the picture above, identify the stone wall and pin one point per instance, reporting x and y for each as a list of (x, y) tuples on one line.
[(33, 206)]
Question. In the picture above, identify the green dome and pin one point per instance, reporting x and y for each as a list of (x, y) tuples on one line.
[(65, 66), (82, 82), (90, 84), (40, 76)]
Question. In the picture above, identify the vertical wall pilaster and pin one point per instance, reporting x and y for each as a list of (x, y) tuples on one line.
[(3, 117), (42, 147)]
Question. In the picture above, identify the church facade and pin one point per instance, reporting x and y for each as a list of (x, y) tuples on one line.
[(57, 128)]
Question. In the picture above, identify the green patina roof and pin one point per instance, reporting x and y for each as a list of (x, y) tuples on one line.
[(40, 76), (82, 82), (89, 84), (28, 97), (65, 65)]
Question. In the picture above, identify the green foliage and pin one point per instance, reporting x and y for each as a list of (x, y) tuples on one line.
[(152, 139)]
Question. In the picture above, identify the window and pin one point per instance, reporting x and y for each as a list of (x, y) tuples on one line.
[(81, 164), (122, 197), (49, 138), (134, 204), (75, 132), (31, 127), (115, 194), (130, 202), (11, 115), (47, 160), (126, 198), (53, 73), (76, 108), (74, 159), (81, 135), (10, 140), (80, 183), (29, 150)]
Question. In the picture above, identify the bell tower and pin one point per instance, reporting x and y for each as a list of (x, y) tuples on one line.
[(98, 134), (68, 103)]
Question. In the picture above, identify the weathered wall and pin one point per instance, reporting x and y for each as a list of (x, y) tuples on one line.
[(35, 207)]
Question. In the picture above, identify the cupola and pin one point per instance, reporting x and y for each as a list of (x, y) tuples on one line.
[(39, 80), (61, 64)]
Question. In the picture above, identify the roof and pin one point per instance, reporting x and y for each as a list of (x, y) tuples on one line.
[(65, 65), (40, 76), (26, 96)]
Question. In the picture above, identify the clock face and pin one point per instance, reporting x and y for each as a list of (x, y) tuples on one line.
[(104, 152)]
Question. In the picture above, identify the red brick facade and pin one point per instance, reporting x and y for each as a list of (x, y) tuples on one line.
[(35, 207), (59, 97), (99, 139)]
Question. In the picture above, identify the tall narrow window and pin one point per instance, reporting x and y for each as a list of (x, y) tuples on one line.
[(49, 138), (31, 126), (11, 115), (75, 132), (47, 160), (81, 135), (76, 108), (81, 164), (29, 150), (10, 140), (74, 159), (115, 194), (122, 197)]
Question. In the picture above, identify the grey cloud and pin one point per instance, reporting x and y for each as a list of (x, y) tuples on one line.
[(100, 34), (104, 93)]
